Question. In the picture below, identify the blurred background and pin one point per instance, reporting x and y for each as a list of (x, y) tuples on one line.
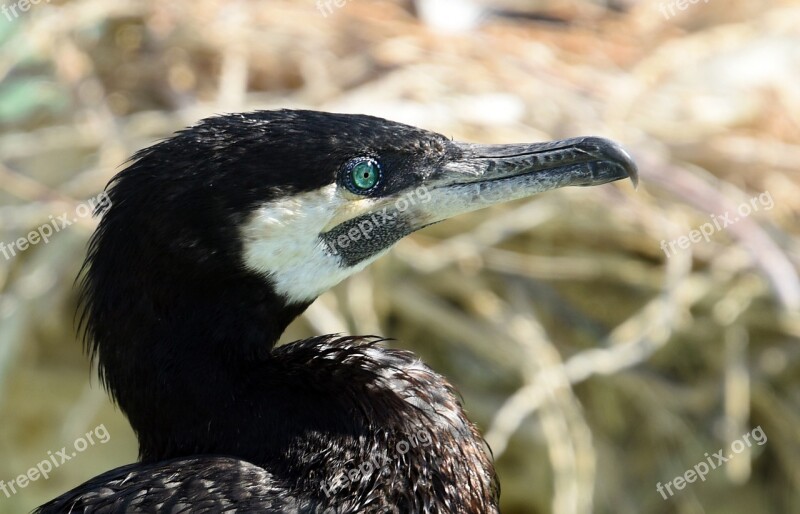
[(602, 346)]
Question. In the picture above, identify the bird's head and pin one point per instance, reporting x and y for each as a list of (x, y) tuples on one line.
[(216, 238), (304, 199)]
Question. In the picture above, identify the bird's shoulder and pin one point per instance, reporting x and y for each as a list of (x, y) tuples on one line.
[(192, 484)]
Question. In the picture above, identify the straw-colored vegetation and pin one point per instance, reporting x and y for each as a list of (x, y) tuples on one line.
[(596, 365)]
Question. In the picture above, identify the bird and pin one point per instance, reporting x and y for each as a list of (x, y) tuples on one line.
[(213, 240)]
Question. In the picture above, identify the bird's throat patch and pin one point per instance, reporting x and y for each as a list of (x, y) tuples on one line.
[(365, 236)]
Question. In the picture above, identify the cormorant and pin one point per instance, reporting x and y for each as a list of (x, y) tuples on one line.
[(214, 241)]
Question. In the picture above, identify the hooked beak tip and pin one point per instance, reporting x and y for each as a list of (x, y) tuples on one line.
[(614, 162), (630, 167)]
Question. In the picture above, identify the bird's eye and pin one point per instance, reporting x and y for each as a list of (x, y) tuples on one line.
[(362, 175)]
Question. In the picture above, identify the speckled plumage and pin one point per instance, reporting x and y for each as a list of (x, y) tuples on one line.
[(380, 397)]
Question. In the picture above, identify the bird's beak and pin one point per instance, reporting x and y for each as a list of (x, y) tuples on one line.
[(472, 177), (485, 175)]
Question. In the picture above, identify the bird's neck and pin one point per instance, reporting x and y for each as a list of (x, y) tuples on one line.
[(174, 351), (197, 373)]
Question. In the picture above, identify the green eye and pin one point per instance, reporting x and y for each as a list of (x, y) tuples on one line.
[(363, 175)]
